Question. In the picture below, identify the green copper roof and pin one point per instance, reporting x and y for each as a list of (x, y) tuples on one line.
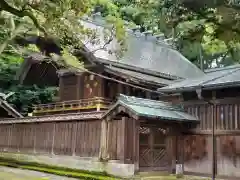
[(152, 109)]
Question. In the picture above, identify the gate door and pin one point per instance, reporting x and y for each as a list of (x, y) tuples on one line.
[(152, 150)]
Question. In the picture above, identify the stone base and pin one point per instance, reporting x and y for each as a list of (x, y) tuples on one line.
[(112, 167)]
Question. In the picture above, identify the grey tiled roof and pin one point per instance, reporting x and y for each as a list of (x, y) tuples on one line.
[(152, 109), (138, 75), (215, 79), (144, 51)]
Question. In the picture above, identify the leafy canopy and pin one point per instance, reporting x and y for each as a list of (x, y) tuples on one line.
[(208, 28)]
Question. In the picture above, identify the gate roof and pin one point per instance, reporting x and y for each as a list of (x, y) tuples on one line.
[(151, 109)]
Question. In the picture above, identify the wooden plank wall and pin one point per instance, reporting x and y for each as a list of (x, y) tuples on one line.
[(227, 116), (197, 155), (114, 133), (68, 89), (198, 146), (121, 140), (81, 138)]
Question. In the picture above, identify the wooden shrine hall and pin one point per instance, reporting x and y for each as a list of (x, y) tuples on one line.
[(110, 117)]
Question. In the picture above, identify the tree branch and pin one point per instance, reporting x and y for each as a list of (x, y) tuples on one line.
[(4, 6)]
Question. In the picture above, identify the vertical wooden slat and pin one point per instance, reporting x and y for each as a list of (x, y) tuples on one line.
[(10, 136), (113, 137), (74, 138), (205, 123), (108, 141), (218, 118), (53, 138), (78, 138), (85, 128), (221, 114), (90, 138), (231, 116), (226, 117), (103, 143), (236, 116)]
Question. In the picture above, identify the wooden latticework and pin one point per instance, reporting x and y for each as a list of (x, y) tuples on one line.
[(152, 150)]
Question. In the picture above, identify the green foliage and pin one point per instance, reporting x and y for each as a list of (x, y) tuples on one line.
[(25, 96), (210, 26), (55, 19)]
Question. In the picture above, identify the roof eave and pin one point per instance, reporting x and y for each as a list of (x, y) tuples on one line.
[(142, 70), (167, 118), (135, 78), (194, 88)]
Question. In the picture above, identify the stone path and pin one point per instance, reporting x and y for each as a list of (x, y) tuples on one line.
[(20, 174)]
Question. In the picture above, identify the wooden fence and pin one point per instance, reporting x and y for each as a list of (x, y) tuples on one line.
[(197, 157), (81, 138)]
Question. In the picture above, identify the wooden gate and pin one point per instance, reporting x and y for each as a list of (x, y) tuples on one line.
[(152, 149)]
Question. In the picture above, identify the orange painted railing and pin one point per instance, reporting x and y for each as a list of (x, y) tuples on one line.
[(83, 104)]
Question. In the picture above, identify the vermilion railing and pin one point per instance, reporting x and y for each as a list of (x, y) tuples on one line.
[(97, 103)]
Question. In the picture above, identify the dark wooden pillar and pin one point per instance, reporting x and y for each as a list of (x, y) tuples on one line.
[(172, 146), (123, 139), (136, 126)]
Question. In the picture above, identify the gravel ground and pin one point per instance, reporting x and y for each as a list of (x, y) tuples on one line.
[(19, 174)]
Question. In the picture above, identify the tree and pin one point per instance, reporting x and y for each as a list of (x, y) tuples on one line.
[(200, 28), (25, 20), (24, 96), (56, 19)]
